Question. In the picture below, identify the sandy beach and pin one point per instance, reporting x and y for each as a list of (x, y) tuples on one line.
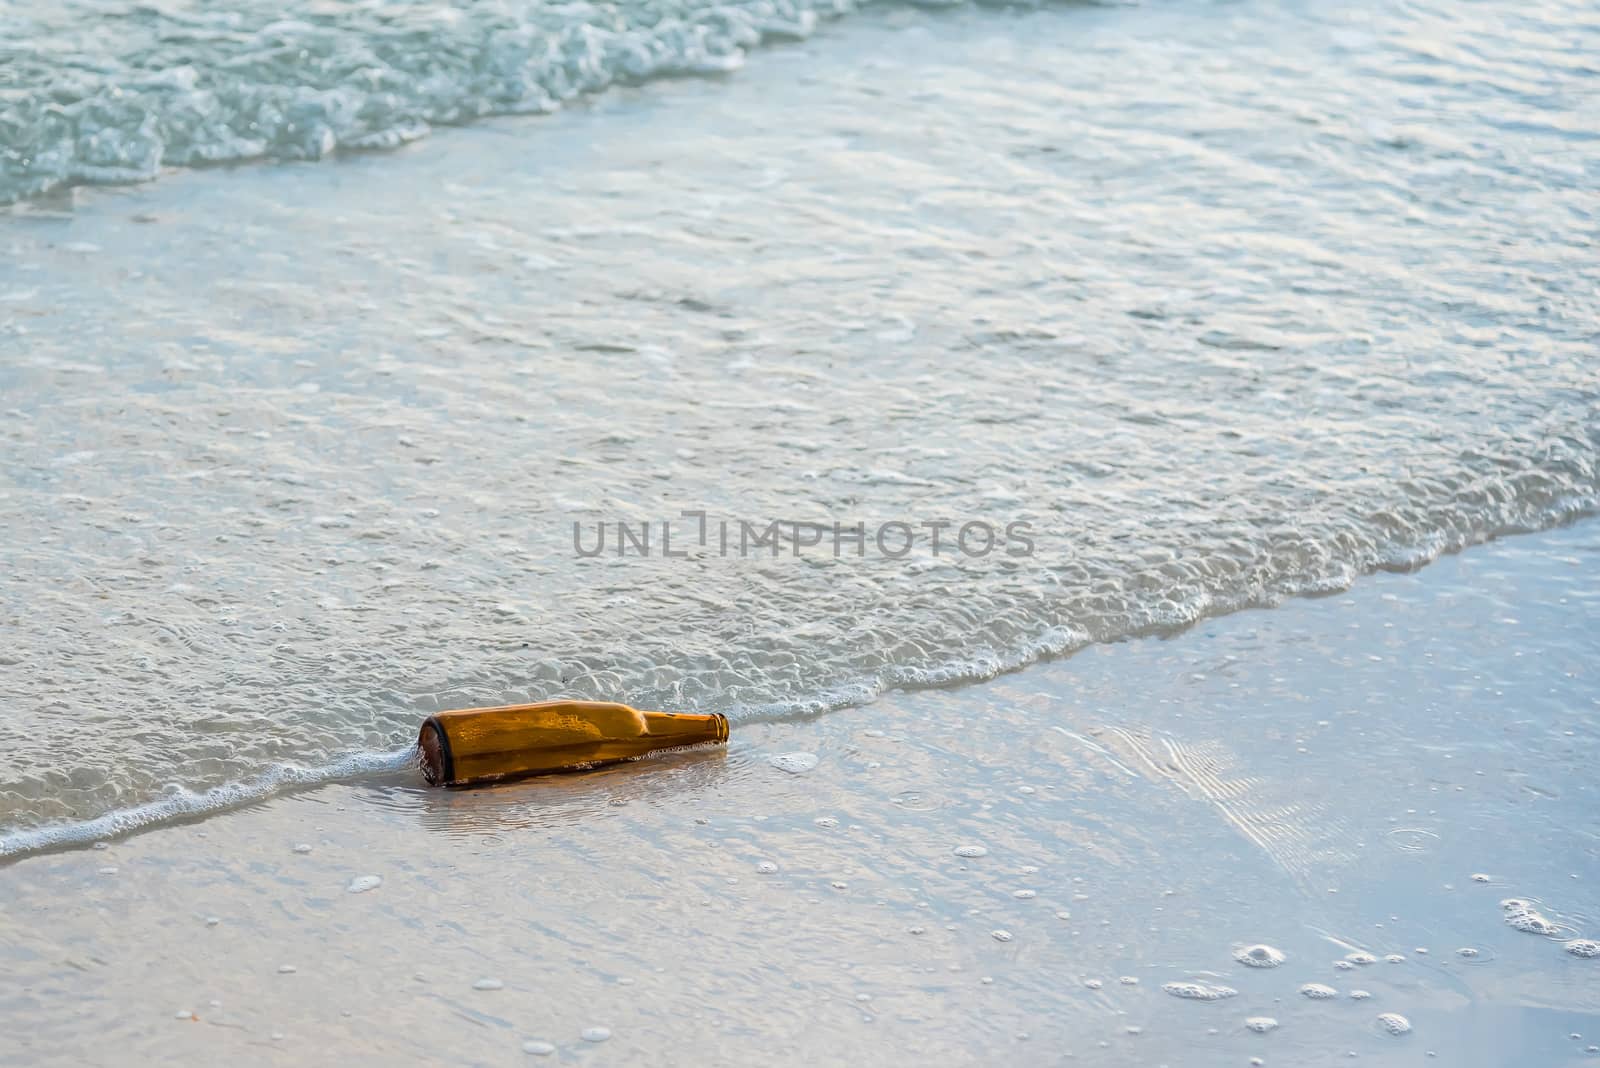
[(1372, 772), (1243, 354)]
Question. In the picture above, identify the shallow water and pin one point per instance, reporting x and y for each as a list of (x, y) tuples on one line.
[(1355, 778), (1226, 302)]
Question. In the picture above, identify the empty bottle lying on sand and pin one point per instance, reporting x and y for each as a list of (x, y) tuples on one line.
[(481, 745)]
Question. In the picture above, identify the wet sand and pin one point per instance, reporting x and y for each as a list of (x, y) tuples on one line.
[(1144, 810)]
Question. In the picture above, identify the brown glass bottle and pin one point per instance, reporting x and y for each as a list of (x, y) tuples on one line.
[(478, 745)]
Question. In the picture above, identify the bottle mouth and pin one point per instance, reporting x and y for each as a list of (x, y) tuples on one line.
[(433, 753)]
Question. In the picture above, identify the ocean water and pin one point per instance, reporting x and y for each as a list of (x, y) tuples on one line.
[(1221, 302)]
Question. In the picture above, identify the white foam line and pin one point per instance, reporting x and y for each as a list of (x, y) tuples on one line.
[(1055, 642), (181, 802)]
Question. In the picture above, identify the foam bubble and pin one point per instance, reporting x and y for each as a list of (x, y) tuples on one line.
[(1258, 956), (362, 883), (538, 1048), (970, 851), (1318, 991), (1000, 935), (1530, 921), (488, 984), (1361, 958), (1359, 995), (794, 763), (1261, 1024), (1394, 1023), (766, 867), (1583, 947), (596, 1034), (1199, 991)]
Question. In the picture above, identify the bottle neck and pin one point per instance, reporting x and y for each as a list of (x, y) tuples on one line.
[(686, 728)]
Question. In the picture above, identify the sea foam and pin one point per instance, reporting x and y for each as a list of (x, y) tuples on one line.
[(190, 85), (180, 803)]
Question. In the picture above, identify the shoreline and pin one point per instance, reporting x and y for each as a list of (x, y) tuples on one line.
[(189, 806), (1143, 811)]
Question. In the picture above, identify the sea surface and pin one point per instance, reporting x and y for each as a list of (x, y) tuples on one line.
[(1218, 303)]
